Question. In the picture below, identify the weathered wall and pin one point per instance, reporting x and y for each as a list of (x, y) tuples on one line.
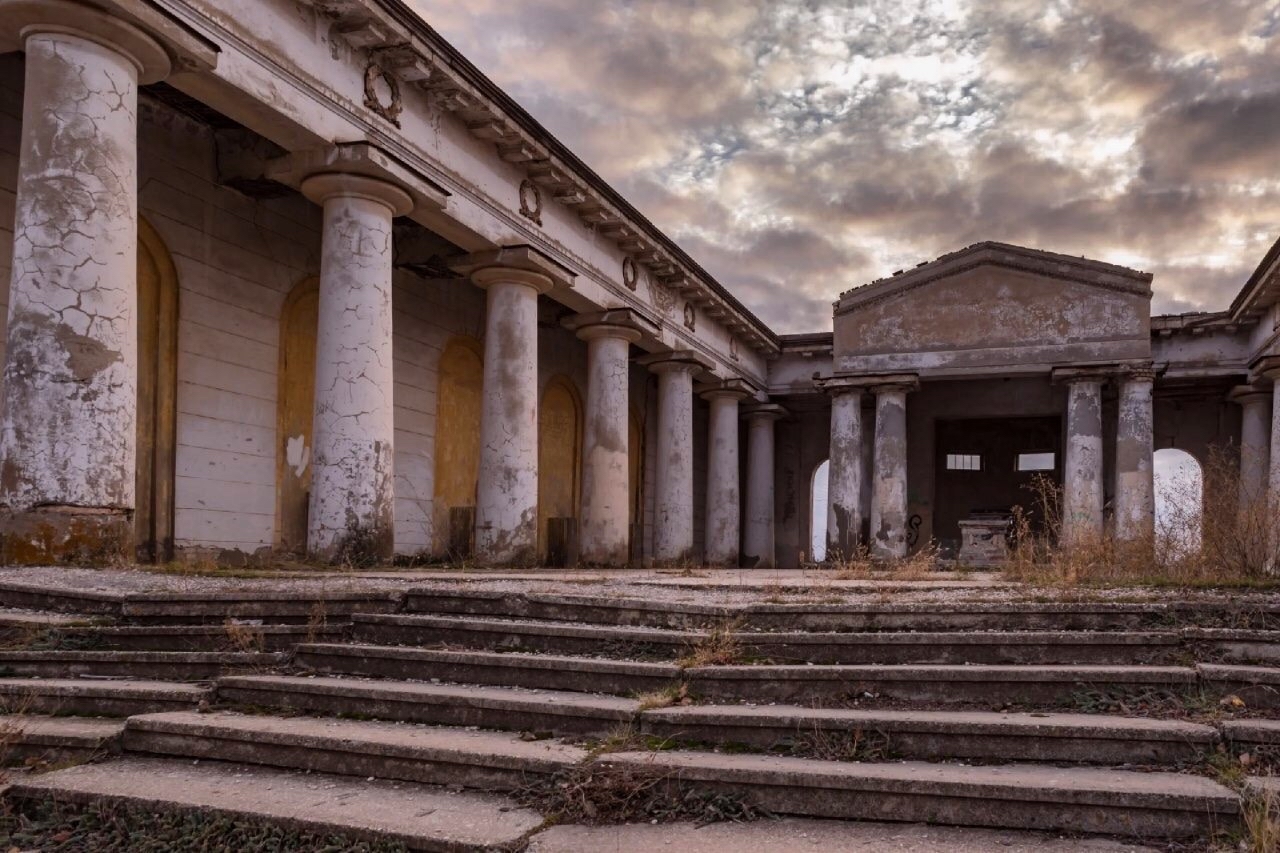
[(987, 315), (11, 83)]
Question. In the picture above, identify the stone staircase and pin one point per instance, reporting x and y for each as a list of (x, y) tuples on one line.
[(1115, 719)]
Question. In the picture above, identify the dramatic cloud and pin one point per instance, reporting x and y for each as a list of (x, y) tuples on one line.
[(797, 148)]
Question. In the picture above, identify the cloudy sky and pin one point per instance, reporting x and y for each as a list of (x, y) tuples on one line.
[(797, 148)]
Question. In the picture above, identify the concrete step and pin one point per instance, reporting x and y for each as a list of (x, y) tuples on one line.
[(443, 756), (1235, 645), (232, 637), (316, 608), (60, 599), (955, 616), (988, 647), (97, 697), (19, 627), (1257, 686), (36, 740), (163, 666), (936, 735), (421, 817), (984, 686), (1257, 737), (506, 708), (550, 637), (587, 675), (1087, 800)]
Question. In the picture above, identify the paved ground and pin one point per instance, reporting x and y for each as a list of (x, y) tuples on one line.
[(797, 836)]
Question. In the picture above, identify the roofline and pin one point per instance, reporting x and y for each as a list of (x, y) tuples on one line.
[(412, 19), (1249, 292)]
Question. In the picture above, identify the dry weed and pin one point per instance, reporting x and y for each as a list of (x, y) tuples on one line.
[(1262, 823), (719, 647), (244, 638)]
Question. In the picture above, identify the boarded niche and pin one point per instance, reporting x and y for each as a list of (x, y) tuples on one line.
[(559, 461), (157, 391), (460, 380), (299, 322)]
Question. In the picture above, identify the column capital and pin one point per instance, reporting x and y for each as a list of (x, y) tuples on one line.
[(675, 360), (521, 264), (839, 386), (355, 160), (621, 323), (1247, 394), (876, 383), (1138, 373), (1071, 375), (327, 185), (1267, 367), (729, 389), (147, 36), (768, 412)]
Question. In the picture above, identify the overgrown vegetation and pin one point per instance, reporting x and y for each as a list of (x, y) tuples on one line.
[(1212, 531), (42, 825), (718, 647), (861, 565)]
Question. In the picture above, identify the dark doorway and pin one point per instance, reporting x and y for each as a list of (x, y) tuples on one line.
[(989, 465)]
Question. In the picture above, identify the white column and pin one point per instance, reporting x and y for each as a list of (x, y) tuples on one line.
[(1255, 443), (507, 491), (845, 473), (724, 502), (1082, 470), (352, 511), (606, 487), (1273, 479), (673, 483), (68, 438), (889, 481), (759, 534), (1135, 486)]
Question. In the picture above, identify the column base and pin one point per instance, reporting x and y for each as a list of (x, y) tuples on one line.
[(66, 536), (360, 548)]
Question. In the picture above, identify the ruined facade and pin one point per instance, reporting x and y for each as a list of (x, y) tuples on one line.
[(293, 277)]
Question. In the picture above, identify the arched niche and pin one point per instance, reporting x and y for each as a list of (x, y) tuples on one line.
[(156, 397), (559, 467), (459, 388), (295, 413), (818, 511)]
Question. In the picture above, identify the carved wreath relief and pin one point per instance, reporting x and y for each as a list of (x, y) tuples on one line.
[(374, 75), (630, 272), (690, 316), (531, 201)]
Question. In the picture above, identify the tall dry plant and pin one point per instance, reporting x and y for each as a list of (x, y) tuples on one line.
[(1208, 531)]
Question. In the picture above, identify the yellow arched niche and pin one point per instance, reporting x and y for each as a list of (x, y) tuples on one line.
[(156, 396), (295, 412), (460, 379), (559, 459)]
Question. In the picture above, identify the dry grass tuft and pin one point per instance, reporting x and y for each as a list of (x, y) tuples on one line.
[(1261, 823), (672, 694), (719, 647), (244, 638)]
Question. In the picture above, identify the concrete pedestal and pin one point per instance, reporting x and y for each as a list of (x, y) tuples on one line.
[(68, 440), (352, 512), (1135, 487)]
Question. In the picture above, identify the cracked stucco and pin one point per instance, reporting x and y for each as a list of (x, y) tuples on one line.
[(1082, 467), (723, 498), (606, 496), (352, 480), (673, 521), (889, 486), (758, 533), (844, 483), (1135, 492), (507, 492), (71, 373)]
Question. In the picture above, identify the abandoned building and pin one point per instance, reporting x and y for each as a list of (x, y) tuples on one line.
[(293, 277)]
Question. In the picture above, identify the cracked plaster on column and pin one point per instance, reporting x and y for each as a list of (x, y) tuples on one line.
[(845, 475), (758, 535), (507, 491), (352, 489), (889, 484), (606, 496), (673, 522), (1135, 487), (71, 369), (1082, 468), (724, 501)]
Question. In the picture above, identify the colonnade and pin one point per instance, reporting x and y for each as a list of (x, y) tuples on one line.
[(70, 375)]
